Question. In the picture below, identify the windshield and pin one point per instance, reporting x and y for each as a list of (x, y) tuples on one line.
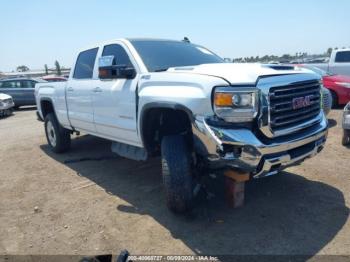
[(159, 55)]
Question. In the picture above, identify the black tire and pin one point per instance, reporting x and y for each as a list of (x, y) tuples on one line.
[(346, 137), (334, 100), (57, 137), (177, 175)]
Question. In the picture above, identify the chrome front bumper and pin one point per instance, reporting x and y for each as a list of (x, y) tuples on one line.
[(240, 148)]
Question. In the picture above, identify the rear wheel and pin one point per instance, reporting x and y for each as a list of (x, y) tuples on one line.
[(57, 136), (177, 175), (346, 137)]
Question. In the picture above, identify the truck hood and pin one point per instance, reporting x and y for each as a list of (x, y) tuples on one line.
[(239, 73)]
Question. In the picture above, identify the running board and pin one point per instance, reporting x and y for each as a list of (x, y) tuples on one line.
[(128, 151)]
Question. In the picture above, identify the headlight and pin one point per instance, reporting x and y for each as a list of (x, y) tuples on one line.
[(344, 84), (236, 104)]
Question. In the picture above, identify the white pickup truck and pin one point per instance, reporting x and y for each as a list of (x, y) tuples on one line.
[(338, 64), (181, 101)]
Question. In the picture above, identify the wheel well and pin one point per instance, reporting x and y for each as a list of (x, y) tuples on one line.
[(159, 122), (334, 97), (46, 107)]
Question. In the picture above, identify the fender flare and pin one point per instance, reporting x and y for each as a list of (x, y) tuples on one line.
[(160, 105), (46, 99)]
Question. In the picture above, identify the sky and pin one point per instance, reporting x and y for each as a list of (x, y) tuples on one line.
[(37, 32)]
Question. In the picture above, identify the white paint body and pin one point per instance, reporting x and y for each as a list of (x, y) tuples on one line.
[(4, 96), (114, 111), (6, 102)]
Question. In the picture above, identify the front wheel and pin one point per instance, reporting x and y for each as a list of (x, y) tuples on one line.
[(57, 136), (177, 175)]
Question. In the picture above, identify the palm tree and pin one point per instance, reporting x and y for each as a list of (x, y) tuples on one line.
[(58, 68)]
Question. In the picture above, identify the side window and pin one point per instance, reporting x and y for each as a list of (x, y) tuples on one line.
[(84, 67), (6, 84), (342, 57), (119, 53), (27, 84), (10, 84)]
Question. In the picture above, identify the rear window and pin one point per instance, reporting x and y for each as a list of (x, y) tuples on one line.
[(84, 67), (28, 84), (342, 57)]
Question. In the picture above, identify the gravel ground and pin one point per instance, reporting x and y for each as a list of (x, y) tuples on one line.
[(89, 201)]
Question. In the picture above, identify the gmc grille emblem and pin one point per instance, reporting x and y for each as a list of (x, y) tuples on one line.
[(300, 102)]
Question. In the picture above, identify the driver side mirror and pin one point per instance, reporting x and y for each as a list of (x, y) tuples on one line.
[(107, 69)]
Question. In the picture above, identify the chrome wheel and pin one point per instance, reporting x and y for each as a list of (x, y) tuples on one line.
[(51, 134)]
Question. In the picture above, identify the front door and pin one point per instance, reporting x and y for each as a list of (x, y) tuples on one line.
[(115, 102)]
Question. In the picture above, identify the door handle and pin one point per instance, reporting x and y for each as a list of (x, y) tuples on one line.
[(70, 89), (97, 89)]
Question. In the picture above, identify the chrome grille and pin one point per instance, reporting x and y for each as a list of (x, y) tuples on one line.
[(283, 115)]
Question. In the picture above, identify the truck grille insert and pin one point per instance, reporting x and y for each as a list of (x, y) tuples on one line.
[(294, 104)]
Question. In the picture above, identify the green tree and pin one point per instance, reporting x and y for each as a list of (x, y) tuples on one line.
[(265, 58), (46, 69), (22, 68), (286, 56), (58, 68)]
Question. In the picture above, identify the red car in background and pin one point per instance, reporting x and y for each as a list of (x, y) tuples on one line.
[(339, 85), (54, 78)]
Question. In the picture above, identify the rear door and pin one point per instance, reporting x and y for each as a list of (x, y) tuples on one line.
[(115, 101), (79, 91)]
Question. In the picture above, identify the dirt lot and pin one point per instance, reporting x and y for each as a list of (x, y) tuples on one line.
[(91, 202)]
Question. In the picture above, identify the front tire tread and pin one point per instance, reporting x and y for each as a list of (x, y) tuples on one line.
[(177, 175)]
